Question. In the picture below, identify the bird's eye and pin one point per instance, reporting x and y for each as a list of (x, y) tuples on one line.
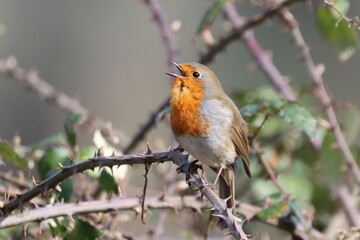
[(196, 74)]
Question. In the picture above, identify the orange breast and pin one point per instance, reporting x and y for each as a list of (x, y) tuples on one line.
[(186, 97)]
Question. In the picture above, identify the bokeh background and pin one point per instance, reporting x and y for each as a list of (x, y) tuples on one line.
[(110, 55)]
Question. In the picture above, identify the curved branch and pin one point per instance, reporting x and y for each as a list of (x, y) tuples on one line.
[(32, 81), (175, 203), (172, 52), (67, 171), (70, 209), (233, 223), (240, 30), (323, 96)]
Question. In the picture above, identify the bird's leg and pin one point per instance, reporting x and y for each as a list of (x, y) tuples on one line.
[(218, 175)]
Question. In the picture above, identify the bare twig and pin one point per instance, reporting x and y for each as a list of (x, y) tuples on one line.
[(70, 209), (172, 52), (147, 169), (146, 127), (239, 30), (32, 81), (8, 177), (349, 206), (263, 59), (133, 204), (354, 22), (167, 34), (257, 152), (323, 95)]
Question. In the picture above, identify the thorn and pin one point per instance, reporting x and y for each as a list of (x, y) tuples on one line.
[(218, 215), (112, 171), (71, 218), (148, 152), (100, 152), (94, 155), (57, 188), (113, 153), (61, 166), (33, 181)]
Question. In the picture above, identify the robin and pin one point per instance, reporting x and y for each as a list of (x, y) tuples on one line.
[(208, 125)]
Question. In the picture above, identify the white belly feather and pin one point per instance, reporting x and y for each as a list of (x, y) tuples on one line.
[(216, 149)]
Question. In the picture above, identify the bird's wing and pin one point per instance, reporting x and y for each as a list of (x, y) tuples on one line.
[(240, 140)]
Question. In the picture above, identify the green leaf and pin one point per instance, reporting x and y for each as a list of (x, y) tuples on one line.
[(299, 116), (349, 116), (52, 140), (59, 228), (8, 153), (297, 186), (108, 183), (331, 162), (210, 15), (84, 230), (69, 128), (337, 33), (49, 163), (342, 5), (274, 210), (263, 188), (85, 152), (67, 190), (299, 216)]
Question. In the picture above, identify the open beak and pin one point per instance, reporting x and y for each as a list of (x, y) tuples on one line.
[(182, 72)]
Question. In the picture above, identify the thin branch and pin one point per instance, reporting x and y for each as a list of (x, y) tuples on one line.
[(32, 81), (175, 203), (172, 52), (323, 95), (349, 206), (146, 127), (240, 30), (91, 163), (118, 204), (147, 169), (263, 59), (167, 34), (233, 223), (354, 22), (8, 177), (258, 153)]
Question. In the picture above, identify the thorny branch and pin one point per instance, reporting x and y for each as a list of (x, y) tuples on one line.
[(70, 209), (32, 81), (147, 169), (131, 204), (323, 95), (91, 163), (219, 205)]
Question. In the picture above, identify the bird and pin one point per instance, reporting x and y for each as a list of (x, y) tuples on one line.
[(208, 125)]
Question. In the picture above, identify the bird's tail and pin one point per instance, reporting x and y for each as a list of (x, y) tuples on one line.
[(227, 185)]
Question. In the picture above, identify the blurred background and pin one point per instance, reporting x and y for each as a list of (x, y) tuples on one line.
[(110, 56)]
